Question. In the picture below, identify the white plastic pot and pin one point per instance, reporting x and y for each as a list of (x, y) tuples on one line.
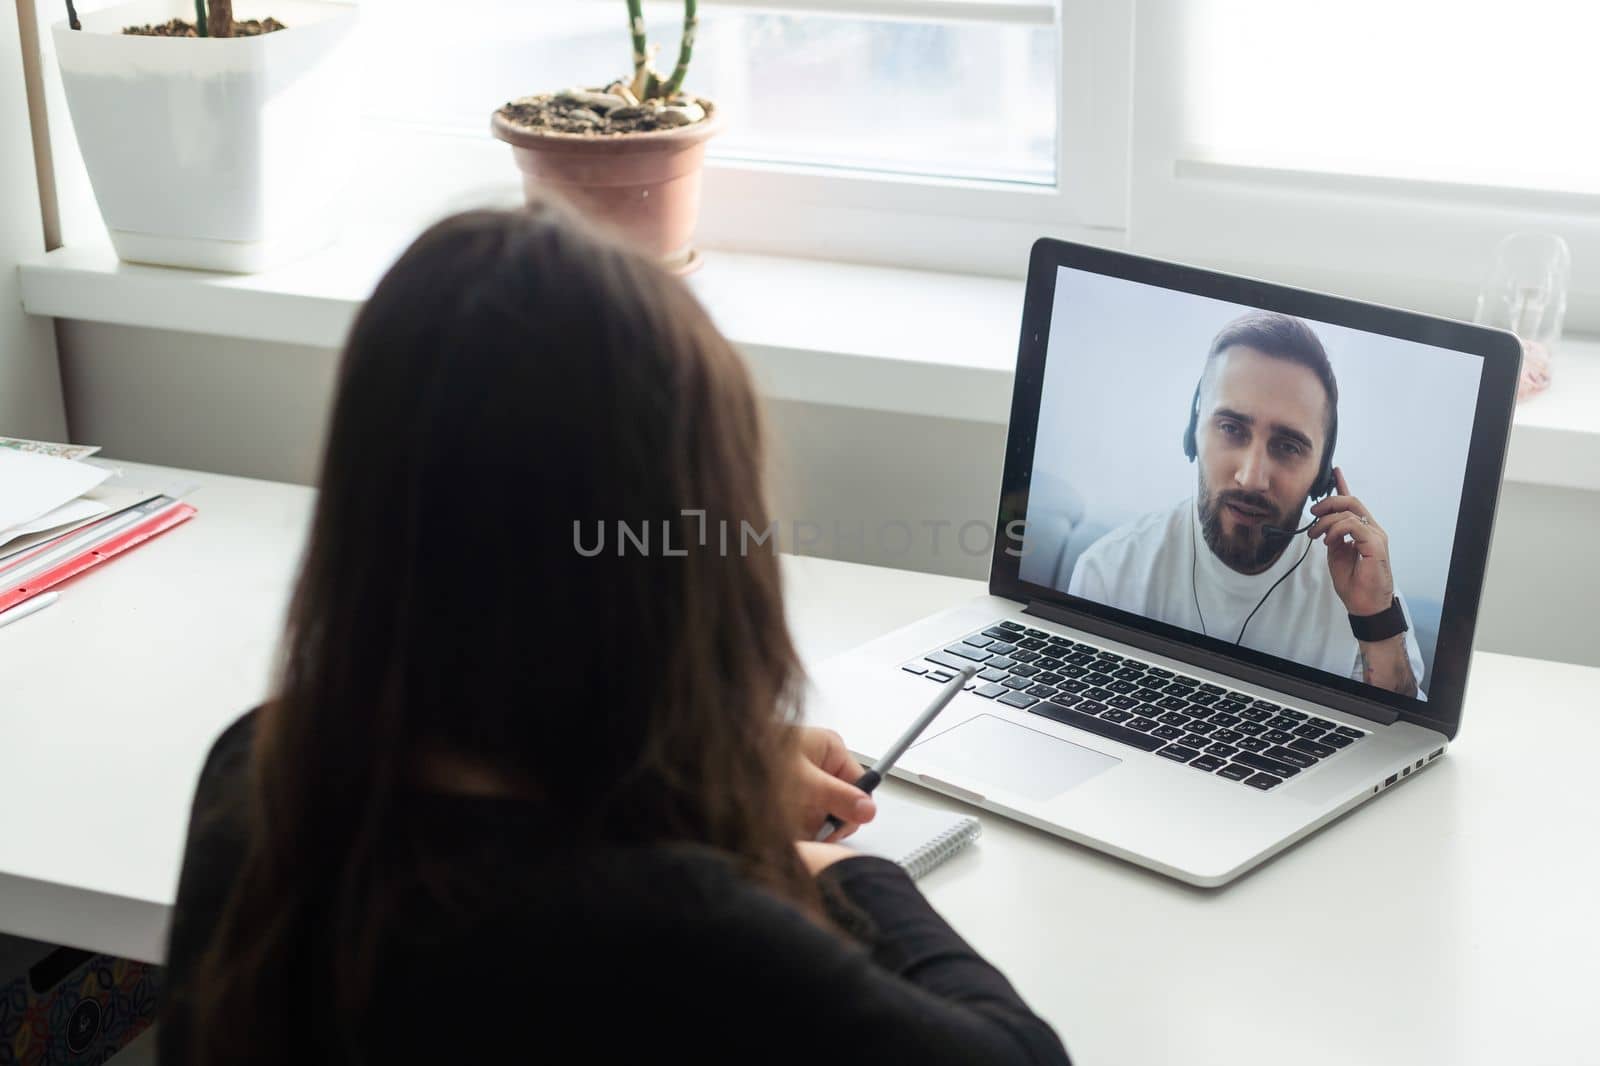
[(215, 153)]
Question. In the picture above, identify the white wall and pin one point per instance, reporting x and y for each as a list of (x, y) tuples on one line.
[(30, 383), (257, 409), (187, 399)]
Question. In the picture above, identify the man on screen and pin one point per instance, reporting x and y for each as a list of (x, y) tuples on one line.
[(1227, 562)]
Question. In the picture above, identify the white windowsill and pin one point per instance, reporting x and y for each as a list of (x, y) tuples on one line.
[(899, 340), (906, 341)]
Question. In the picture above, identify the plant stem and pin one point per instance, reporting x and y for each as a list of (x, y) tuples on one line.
[(685, 51), (221, 21), (641, 51), (200, 18)]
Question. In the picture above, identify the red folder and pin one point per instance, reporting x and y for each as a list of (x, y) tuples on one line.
[(22, 578)]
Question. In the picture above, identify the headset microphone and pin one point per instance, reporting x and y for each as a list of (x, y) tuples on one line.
[(1279, 533)]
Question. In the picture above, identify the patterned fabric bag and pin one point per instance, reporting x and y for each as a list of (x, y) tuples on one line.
[(75, 1008)]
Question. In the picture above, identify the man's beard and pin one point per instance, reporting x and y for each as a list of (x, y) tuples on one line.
[(1248, 550)]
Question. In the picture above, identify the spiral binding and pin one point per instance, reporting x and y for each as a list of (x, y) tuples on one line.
[(931, 855)]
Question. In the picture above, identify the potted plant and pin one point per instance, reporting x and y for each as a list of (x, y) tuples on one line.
[(220, 143), (628, 153)]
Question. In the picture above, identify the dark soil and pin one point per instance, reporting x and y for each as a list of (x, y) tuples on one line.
[(603, 112), (180, 28)]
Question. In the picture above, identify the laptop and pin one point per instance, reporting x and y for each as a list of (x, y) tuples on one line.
[(1235, 574)]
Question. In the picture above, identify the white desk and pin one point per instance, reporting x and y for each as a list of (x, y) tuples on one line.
[(1453, 920), (110, 699)]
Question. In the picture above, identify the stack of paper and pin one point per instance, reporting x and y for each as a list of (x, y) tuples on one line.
[(42, 489), (60, 516)]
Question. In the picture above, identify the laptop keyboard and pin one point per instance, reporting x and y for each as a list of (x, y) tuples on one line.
[(1213, 729)]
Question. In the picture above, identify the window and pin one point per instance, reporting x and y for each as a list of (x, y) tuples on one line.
[(1424, 90), (1373, 149), (941, 100), (968, 99), (902, 131)]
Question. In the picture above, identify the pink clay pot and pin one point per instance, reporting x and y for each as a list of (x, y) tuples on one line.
[(644, 185)]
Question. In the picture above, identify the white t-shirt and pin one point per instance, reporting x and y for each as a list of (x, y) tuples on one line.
[(1159, 566)]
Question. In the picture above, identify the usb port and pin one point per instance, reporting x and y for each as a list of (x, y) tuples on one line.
[(1391, 779), (1435, 755)]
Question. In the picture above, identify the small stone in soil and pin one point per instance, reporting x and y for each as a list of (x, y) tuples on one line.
[(624, 90), (600, 102)]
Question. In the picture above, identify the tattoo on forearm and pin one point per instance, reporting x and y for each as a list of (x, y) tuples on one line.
[(1404, 681), (1408, 677)]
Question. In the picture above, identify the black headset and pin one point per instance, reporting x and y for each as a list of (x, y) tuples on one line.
[(1324, 485)]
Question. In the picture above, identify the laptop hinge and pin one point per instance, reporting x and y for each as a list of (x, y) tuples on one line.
[(1211, 661)]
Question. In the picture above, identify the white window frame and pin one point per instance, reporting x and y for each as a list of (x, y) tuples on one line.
[(1423, 245), (942, 224)]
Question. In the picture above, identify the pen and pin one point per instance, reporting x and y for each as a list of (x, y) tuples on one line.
[(880, 769), (27, 607)]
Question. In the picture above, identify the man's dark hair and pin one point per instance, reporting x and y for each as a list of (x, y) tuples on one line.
[(1283, 337)]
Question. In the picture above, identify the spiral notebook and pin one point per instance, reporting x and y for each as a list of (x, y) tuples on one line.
[(918, 838)]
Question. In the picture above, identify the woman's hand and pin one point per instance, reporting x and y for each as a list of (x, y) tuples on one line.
[(818, 857), (826, 776)]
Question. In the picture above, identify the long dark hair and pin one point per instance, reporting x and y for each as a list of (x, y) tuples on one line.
[(514, 382)]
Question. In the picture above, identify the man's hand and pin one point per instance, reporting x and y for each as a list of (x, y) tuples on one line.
[(1361, 576), (826, 777), (1359, 566)]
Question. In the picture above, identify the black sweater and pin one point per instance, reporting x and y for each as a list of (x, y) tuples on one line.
[(627, 955)]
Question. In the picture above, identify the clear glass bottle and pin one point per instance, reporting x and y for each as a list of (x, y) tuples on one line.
[(1526, 293)]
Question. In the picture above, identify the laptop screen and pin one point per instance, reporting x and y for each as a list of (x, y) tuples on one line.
[(1267, 481)]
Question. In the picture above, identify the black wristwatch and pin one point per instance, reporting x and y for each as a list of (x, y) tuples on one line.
[(1389, 622)]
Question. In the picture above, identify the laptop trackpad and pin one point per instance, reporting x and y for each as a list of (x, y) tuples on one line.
[(988, 749)]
